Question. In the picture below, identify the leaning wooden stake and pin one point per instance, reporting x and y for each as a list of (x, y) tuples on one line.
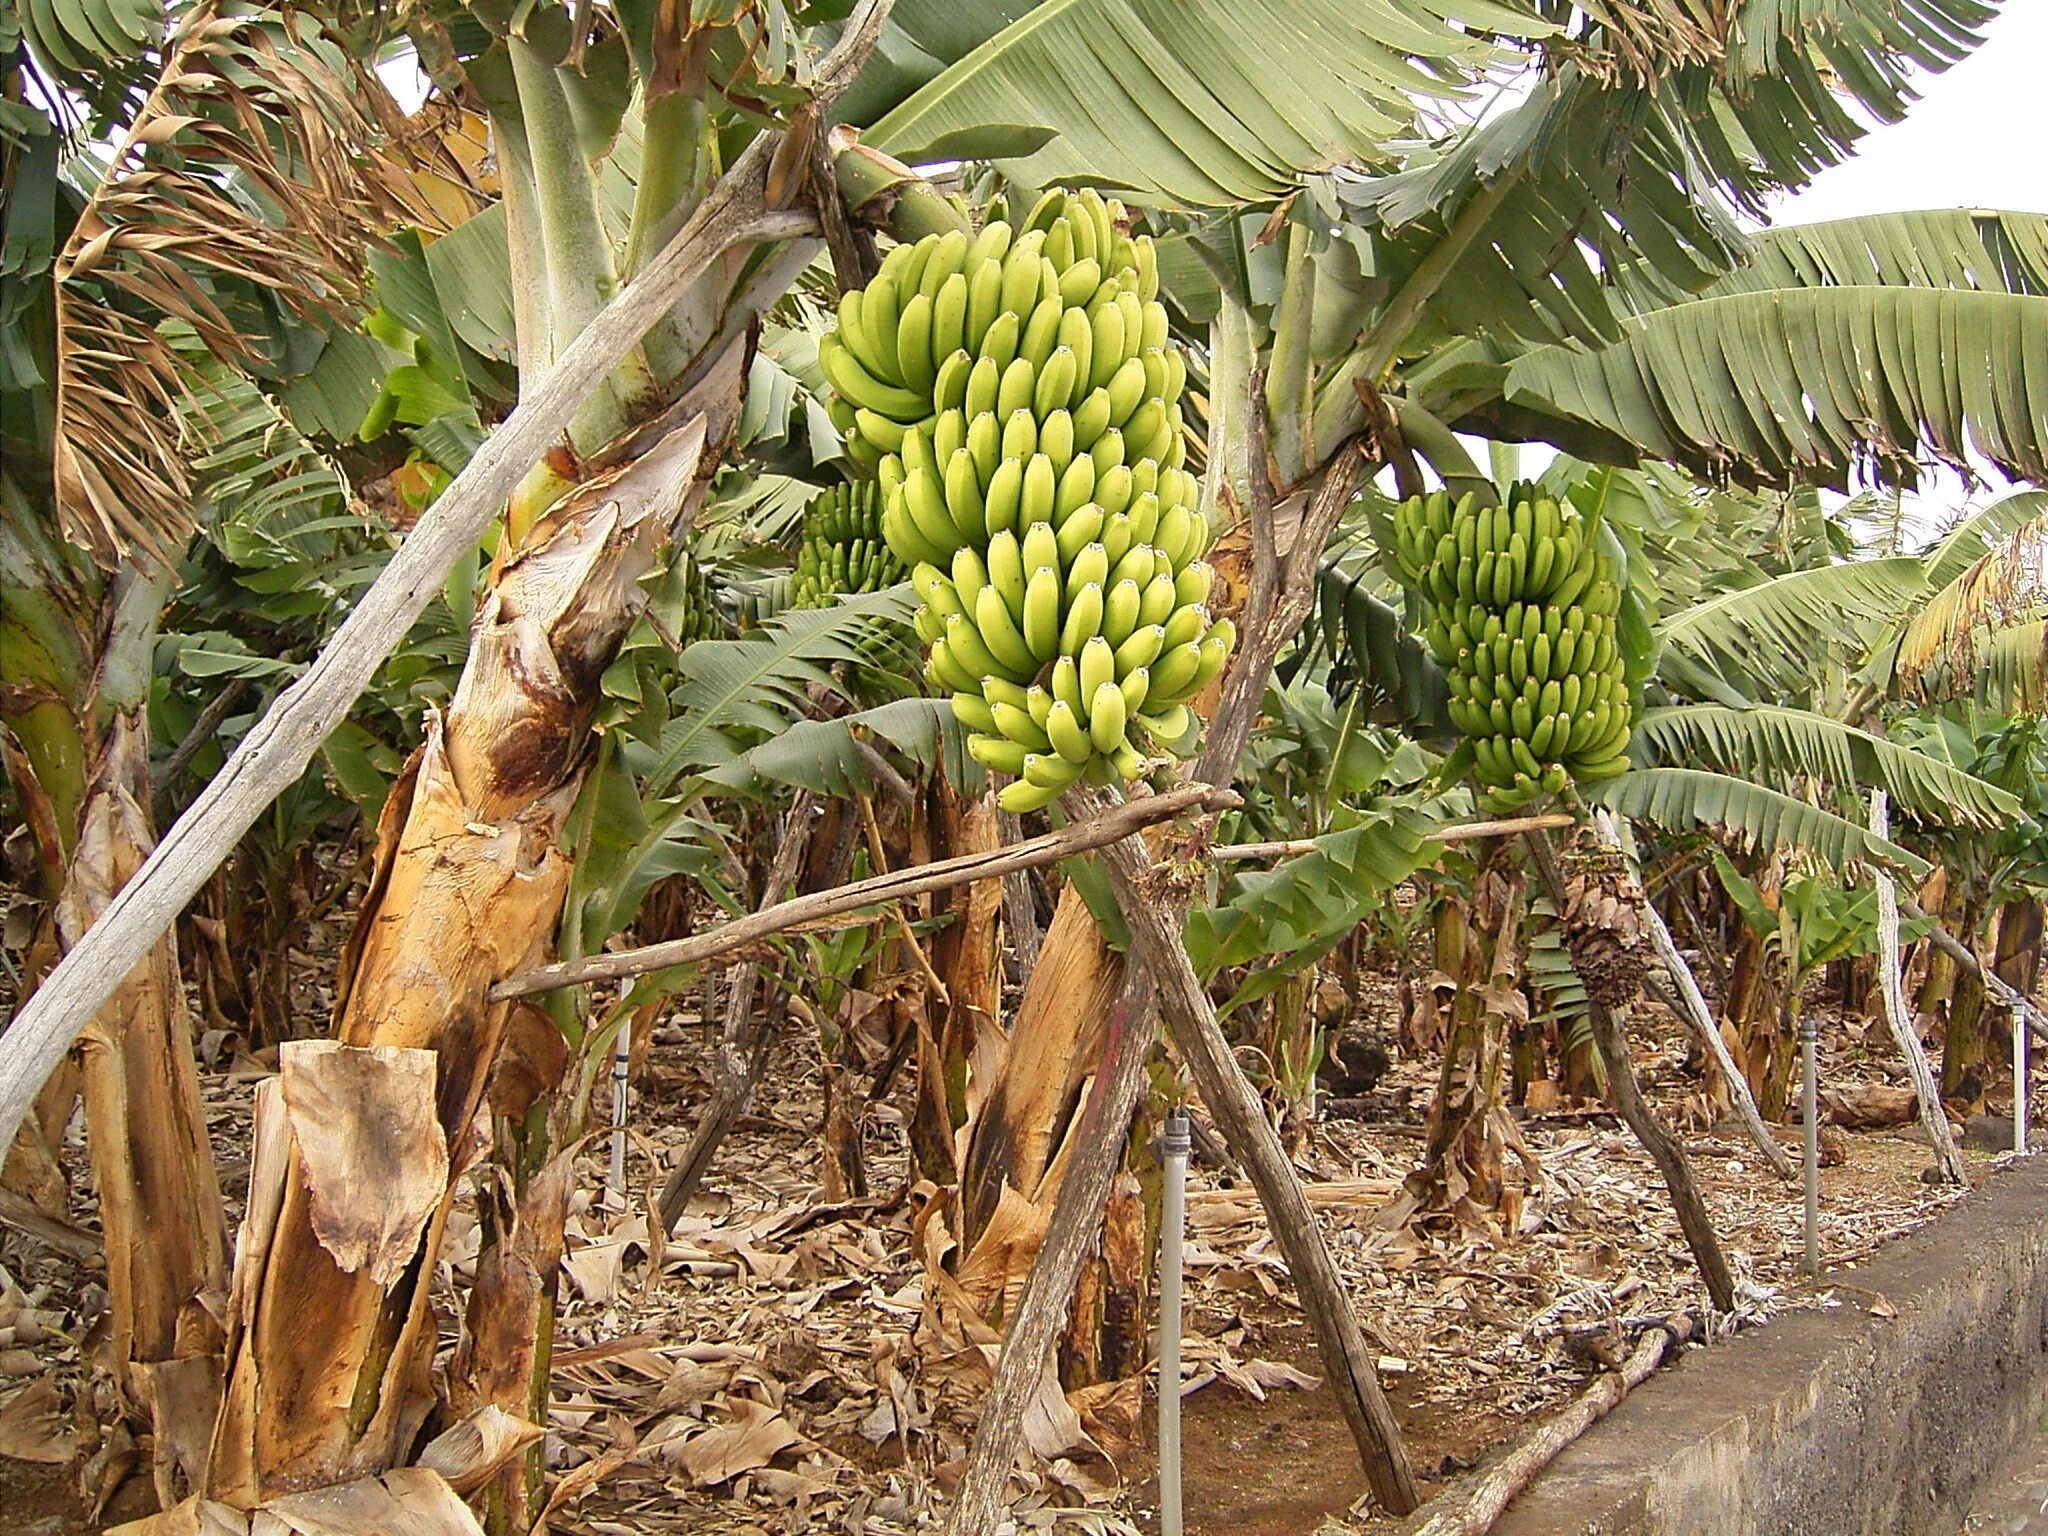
[(1948, 1157), (1280, 599), (1476, 1512), (1115, 823), (1701, 1017), (738, 212), (744, 1043), (1665, 1149), (1154, 910)]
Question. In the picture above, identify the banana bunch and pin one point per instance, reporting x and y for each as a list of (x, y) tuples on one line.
[(1521, 607), (843, 549), (1021, 404), (698, 617)]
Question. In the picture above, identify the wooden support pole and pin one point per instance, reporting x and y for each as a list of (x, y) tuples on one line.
[(1113, 824), (1948, 1157), (1665, 1149), (1463, 832), (1154, 913), (1694, 1007), (1477, 1512), (1281, 596), (738, 212), (1956, 950)]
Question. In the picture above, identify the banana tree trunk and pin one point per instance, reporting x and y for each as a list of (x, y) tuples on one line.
[(1967, 1049), (331, 1336), (79, 652), (1464, 1170)]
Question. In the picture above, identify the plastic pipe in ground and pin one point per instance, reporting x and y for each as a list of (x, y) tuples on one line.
[(622, 1059), (1173, 1220), (2019, 1080), (1809, 1050)]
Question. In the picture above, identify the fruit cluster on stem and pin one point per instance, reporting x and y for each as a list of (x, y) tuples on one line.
[(1519, 605), (1019, 399)]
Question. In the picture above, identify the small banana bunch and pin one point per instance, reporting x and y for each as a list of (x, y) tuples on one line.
[(843, 549), (1019, 400), (698, 617), (1522, 608)]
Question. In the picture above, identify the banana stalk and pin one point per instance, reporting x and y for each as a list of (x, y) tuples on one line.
[(469, 886), (78, 650)]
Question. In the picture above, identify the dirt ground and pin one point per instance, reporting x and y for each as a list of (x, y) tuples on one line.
[(762, 1371)]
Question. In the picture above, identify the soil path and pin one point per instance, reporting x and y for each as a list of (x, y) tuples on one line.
[(2016, 1502)]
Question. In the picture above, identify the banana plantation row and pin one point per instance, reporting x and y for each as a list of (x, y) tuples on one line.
[(1059, 470)]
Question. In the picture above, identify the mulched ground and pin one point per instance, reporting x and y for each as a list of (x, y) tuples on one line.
[(762, 1371)]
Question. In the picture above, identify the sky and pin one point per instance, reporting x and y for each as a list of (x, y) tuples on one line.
[(1973, 140)]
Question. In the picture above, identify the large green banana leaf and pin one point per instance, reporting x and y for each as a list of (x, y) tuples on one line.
[(1769, 633), (1632, 166), (1799, 382), (1198, 102), (1682, 798), (1996, 252), (1771, 741)]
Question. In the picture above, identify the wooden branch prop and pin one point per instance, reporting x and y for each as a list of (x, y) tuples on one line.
[(1477, 1512), (1119, 1080), (273, 756), (1153, 910), (743, 1043), (1956, 950), (1041, 1314), (1078, 837), (1696, 1012), (202, 731), (1464, 832), (275, 753), (1948, 1157), (1665, 1149)]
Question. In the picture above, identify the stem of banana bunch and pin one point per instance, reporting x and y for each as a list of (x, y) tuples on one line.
[(1337, 413)]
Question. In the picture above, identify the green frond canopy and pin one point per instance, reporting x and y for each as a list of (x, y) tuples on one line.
[(1312, 898), (1808, 383), (825, 755), (1960, 248), (1773, 630), (1198, 104), (758, 683), (1778, 743), (1683, 798)]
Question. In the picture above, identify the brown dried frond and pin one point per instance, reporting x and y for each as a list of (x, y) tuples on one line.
[(263, 155), (1649, 39), (2003, 586)]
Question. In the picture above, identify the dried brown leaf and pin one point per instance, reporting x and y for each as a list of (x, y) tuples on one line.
[(371, 1149)]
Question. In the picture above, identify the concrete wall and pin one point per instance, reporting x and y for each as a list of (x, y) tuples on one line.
[(1835, 1423)]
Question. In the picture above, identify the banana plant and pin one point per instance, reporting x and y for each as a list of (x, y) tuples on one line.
[(183, 243)]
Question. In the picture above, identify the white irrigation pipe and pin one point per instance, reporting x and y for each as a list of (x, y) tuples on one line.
[(1809, 1049), (1173, 1221), (2019, 1079), (622, 1059)]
